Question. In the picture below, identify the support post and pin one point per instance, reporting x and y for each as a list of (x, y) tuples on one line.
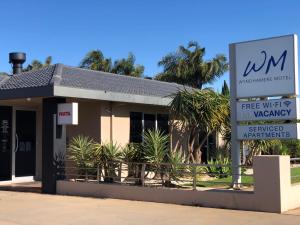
[(98, 173), (120, 172), (48, 167), (194, 177), (235, 144), (143, 174)]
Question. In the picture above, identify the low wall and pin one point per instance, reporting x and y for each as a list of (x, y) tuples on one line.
[(294, 197), (209, 198), (273, 191)]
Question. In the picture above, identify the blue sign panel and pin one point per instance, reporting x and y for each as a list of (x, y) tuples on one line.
[(276, 109), (268, 131)]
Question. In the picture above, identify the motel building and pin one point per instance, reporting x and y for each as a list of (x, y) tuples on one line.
[(110, 107)]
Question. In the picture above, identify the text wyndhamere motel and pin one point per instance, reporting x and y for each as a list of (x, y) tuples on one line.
[(40, 111)]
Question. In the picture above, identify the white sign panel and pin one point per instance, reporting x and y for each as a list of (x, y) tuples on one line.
[(279, 109), (67, 114), (268, 131), (267, 67)]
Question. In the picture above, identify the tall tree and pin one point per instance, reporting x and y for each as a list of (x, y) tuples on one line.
[(36, 64), (95, 60), (197, 110), (225, 89), (187, 66), (126, 66)]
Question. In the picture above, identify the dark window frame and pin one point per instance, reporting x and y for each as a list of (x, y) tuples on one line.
[(138, 138)]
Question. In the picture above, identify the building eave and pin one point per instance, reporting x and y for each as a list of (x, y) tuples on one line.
[(30, 92), (62, 91)]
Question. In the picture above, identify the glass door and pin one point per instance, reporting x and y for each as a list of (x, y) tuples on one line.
[(25, 143)]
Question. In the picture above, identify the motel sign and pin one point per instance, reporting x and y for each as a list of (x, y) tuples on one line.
[(265, 68), (259, 70)]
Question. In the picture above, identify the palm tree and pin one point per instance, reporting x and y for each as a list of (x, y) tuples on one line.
[(201, 112), (95, 60), (36, 64), (126, 66), (3, 74), (187, 66)]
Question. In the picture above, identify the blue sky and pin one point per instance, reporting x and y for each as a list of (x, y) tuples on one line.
[(68, 29)]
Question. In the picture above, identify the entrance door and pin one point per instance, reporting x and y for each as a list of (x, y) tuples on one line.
[(25, 143), (5, 143)]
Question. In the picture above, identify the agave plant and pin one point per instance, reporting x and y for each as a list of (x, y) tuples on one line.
[(131, 155), (111, 152), (176, 169), (220, 167), (111, 156), (155, 150), (155, 147), (81, 150)]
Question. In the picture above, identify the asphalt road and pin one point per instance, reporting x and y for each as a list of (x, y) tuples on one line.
[(18, 208)]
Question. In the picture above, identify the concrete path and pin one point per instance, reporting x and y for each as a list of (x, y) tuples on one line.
[(18, 208)]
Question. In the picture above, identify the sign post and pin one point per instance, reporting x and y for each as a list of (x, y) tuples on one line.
[(260, 69), (235, 143)]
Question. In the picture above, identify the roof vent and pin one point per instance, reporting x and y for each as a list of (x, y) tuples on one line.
[(17, 59)]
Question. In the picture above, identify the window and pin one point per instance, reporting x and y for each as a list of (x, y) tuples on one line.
[(136, 128), (163, 123), (149, 122), (141, 122)]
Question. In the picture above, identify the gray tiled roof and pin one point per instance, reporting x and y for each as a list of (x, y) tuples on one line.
[(3, 77), (95, 80), (66, 76), (36, 78)]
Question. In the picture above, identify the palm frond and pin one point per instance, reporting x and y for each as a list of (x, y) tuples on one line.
[(188, 67)]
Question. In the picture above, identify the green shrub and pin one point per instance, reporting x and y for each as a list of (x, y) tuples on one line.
[(155, 150), (111, 152), (131, 155), (155, 147), (176, 170), (132, 152), (291, 147), (111, 156), (220, 167), (81, 150)]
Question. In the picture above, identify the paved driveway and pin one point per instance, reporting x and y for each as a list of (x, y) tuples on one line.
[(36, 209)]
